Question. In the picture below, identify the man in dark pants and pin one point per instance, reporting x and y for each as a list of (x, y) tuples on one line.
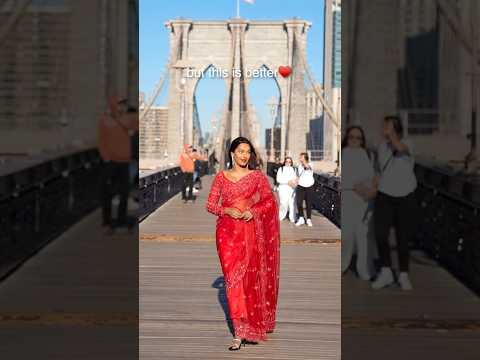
[(116, 180), (395, 202), (187, 166), (305, 190), (197, 169), (115, 146)]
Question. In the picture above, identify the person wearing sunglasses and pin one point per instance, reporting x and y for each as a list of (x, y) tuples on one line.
[(358, 189), (286, 179)]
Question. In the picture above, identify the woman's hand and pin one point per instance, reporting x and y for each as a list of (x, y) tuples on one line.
[(365, 192), (247, 215), (233, 213), (293, 183)]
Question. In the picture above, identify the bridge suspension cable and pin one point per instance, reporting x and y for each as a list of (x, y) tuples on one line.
[(319, 95), (156, 91), (327, 108)]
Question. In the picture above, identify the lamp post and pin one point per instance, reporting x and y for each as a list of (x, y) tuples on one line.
[(183, 81), (272, 104)]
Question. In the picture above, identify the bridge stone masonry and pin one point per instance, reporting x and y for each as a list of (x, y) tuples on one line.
[(237, 48)]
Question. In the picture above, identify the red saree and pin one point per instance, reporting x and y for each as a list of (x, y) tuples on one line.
[(249, 251)]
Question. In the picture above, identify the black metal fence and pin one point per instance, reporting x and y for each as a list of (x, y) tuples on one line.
[(449, 226), (157, 188), (40, 202), (327, 198)]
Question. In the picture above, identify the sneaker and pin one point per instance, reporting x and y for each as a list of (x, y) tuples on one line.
[(404, 281), (194, 191), (300, 221), (309, 222), (385, 278)]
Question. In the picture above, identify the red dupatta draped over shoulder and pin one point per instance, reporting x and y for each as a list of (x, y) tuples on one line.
[(249, 251)]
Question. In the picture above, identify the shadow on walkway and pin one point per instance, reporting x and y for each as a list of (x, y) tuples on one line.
[(219, 284)]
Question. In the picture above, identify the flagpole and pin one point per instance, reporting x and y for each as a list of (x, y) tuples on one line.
[(238, 9)]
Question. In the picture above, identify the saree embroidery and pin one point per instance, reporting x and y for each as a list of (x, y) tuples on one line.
[(249, 252)]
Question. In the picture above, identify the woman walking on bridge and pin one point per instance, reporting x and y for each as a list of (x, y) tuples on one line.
[(248, 243)]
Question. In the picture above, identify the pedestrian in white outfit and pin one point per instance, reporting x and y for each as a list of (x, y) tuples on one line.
[(286, 179), (357, 190)]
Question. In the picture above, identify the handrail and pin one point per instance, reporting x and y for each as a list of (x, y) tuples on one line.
[(327, 198), (41, 201), (449, 226), (158, 187)]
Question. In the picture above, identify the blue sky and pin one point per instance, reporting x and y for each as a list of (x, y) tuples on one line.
[(154, 45)]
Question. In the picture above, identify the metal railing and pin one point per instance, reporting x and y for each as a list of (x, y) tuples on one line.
[(327, 198), (155, 189), (449, 226), (40, 202)]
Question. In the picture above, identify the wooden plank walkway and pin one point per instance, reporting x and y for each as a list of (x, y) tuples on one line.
[(182, 304), (182, 300), (76, 299), (439, 319), (168, 223)]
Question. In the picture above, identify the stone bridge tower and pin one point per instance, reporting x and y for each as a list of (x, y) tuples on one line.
[(245, 46)]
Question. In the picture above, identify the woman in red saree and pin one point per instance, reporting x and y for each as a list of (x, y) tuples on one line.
[(248, 243)]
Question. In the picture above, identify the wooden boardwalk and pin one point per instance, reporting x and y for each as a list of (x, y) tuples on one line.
[(182, 299), (439, 319), (76, 299), (176, 221)]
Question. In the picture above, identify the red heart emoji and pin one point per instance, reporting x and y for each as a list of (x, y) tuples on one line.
[(285, 71)]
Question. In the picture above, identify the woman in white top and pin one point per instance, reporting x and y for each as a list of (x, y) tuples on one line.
[(358, 189), (395, 203), (286, 179), (305, 189)]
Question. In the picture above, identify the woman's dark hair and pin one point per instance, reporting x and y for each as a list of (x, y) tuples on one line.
[(285, 161), (252, 162), (305, 155), (287, 158), (347, 134), (396, 122)]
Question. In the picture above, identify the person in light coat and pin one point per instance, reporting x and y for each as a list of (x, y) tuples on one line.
[(286, 179), (358, 190)]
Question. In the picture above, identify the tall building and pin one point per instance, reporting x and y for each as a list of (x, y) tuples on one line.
[(423, 71), (315, 139), (313, 103), (314, 136), (332, 71), (43, 94), (275, 147), (154, 133)]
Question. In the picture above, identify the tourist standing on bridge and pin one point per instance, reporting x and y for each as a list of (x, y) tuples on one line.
[(286, 179), (197, 165), (187, 165), (115, 132), (395, 203), (305, 189), (358, 191), (248, 243)]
